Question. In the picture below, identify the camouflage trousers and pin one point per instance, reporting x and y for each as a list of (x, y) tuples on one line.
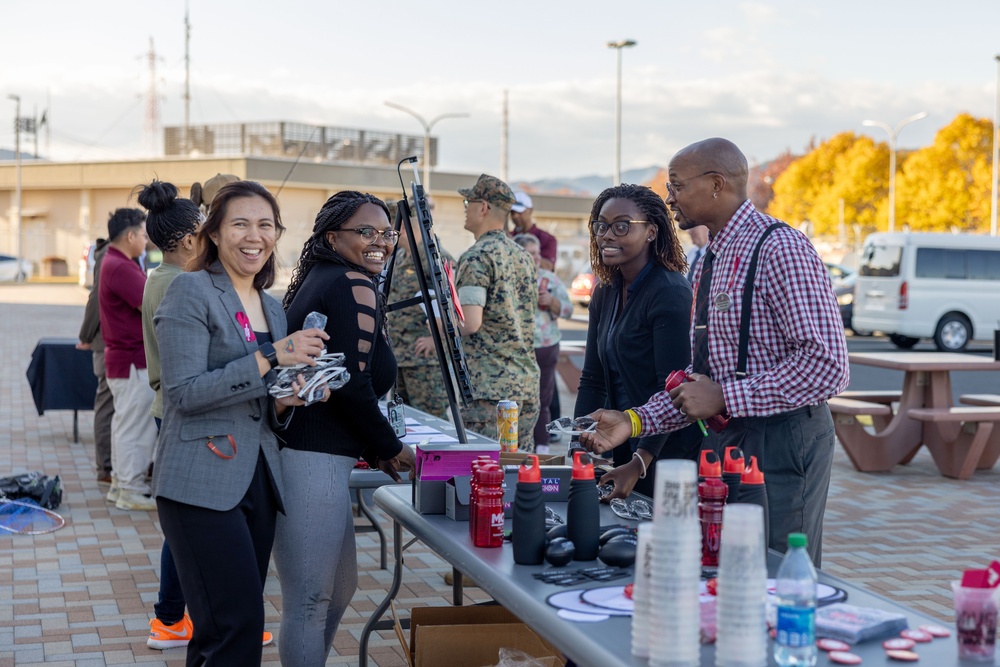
[(481, 417), (423, 388)]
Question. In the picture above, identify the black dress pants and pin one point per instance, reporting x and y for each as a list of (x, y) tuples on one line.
[(222, 560)]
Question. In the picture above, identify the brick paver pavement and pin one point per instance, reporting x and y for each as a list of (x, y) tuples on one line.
[(82, 596)]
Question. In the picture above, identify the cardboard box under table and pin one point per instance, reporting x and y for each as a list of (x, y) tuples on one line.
[(463, 636)]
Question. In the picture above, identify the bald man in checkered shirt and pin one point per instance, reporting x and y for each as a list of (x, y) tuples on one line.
[(796, 356)]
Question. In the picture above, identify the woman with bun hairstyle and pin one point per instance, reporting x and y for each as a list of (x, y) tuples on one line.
[(171, 224)]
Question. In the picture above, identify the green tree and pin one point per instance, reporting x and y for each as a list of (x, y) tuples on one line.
[(948, 183)]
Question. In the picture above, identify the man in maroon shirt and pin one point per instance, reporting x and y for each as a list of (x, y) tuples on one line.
[(133, 431), (520, 215)]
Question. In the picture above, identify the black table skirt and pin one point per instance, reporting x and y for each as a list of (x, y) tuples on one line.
[(61, 376)]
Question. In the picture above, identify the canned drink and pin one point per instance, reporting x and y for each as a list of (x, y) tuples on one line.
[(507, 426)]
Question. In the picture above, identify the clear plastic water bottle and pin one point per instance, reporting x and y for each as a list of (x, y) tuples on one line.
[(795, 589)]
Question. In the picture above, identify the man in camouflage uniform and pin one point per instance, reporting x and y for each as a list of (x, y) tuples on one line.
[(498, 290), (418, 378)]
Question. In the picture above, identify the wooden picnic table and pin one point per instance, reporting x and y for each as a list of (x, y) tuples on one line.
[(960, 439)]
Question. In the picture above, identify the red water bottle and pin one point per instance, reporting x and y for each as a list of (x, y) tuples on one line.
[(488, 509), (711, 499), (480, 460)]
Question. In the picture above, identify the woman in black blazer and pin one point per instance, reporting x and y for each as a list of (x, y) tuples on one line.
[(640, 318)]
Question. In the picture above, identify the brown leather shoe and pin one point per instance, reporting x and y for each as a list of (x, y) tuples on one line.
[(104, 478)]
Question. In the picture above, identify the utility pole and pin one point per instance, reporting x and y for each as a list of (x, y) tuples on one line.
[(996, 154), (618, 46), (17, 187), (151, 129), (505, 128), (186, 147)]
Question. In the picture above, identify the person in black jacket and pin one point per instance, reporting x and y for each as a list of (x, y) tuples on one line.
[(639, 325), (314, 549)]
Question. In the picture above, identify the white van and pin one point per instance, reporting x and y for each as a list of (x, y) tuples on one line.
[(940, 286)]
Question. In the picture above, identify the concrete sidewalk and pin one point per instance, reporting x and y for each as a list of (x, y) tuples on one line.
[(82, 596)]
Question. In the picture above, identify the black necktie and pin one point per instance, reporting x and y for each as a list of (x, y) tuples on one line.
[(694, 263), (700, 364)]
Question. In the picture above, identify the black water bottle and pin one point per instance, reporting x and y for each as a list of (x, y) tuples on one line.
[(732, 472), (528, 535), (583, 514), (753, 490)]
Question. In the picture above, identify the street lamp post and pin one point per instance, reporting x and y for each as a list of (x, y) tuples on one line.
[(996, 154), (427, 136), (893, 134), (618, 46), (17, 168)]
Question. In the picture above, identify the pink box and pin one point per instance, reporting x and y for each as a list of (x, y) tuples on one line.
[(444, 461)]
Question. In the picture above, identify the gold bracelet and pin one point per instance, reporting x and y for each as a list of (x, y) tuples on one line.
[(636, 422)]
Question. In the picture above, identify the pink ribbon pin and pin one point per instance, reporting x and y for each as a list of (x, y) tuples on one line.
[(244, 322)]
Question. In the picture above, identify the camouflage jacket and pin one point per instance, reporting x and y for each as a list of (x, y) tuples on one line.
[(408, 324), (498, 275)]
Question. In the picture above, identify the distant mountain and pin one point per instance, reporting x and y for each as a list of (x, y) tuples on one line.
[(585, 185), (7, 154)]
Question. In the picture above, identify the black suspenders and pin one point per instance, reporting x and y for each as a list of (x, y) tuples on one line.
[(744, 345)]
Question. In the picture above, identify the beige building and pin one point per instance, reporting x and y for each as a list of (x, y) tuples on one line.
[(65, 205)]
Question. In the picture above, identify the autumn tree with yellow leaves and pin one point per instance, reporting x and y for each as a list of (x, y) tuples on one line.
[(938, 187), (947, 183)]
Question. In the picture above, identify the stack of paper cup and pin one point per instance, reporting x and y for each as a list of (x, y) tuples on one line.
[(674, 614), (742, 589), (640, 591)]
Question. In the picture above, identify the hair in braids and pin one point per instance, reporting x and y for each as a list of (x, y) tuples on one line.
[(667, 250), (169, 218), (337, 210)]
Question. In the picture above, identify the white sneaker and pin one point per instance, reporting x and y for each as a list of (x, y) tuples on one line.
[(542, 450), (112, 495), (134, 501)]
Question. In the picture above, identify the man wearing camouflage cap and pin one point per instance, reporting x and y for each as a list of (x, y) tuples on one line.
[(498, 289)]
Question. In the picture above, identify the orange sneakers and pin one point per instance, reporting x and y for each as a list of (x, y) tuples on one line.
[(179, 634), (169, 636)]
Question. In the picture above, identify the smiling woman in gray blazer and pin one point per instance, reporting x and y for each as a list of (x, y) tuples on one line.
[(217, 477)]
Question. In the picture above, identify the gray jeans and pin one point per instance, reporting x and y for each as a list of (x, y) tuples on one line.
[(795, 451), (314, 553)]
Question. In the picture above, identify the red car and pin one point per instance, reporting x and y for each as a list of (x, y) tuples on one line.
[(582, 287)]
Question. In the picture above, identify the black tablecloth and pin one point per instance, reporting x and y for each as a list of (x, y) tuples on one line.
[(61, 376)]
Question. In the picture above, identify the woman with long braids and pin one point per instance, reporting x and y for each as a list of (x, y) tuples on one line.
[(337, 275), (640, 316)]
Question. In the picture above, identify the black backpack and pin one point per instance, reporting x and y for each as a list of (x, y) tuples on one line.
[(36, 486)]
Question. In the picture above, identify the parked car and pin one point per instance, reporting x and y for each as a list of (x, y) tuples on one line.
[(940, 286), (844, 280), (9, 272), (582, 287)]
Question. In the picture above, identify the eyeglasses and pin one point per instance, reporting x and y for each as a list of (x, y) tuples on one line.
[(471, 201), (618, 228), (370, 234), (672, 188)]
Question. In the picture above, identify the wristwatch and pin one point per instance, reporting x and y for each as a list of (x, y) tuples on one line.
[(270, 354)]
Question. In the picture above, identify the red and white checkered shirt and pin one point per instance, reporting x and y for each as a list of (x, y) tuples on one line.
[(797, 354)]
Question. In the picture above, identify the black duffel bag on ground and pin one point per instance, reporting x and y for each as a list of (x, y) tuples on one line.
[(36, 486)]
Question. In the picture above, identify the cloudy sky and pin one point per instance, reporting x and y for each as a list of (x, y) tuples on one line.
[(768, 74)]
